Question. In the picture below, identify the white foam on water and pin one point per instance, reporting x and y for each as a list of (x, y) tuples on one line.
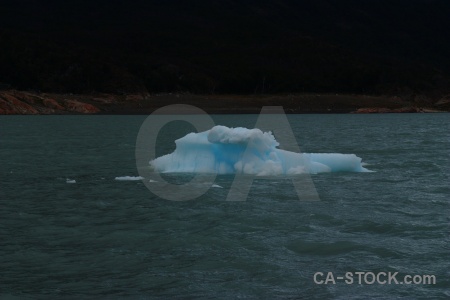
[(129, 178), (151, 180), (70, 180), (222, 150)]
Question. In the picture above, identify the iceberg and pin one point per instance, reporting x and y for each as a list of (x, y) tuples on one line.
[(224, 150)]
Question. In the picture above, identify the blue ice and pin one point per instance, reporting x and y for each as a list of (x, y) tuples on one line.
[(224, 150)]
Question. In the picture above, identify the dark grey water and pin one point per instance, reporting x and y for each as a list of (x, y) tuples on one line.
[(102, 238)]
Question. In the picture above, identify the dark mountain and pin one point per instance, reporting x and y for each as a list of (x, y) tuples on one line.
[(227, 46)]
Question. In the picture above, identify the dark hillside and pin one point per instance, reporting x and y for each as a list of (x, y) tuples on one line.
[(226, 46)]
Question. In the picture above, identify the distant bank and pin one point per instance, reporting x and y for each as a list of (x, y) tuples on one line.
[(13, 102)]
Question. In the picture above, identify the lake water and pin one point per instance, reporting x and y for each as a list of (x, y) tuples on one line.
[(69, 230)]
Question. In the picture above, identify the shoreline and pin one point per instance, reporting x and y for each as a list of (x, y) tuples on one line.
[(13, 102)]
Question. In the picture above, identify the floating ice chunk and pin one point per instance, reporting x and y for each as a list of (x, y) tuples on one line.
[(70, 180), (129, 178), (222, 150), (217, 186)]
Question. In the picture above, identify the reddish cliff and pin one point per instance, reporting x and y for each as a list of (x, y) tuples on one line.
[(19, 102), (15, 102)]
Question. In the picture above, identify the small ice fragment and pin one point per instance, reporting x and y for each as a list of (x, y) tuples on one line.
[(71, 180), (129, 178), (151, 180), (217, 186)]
